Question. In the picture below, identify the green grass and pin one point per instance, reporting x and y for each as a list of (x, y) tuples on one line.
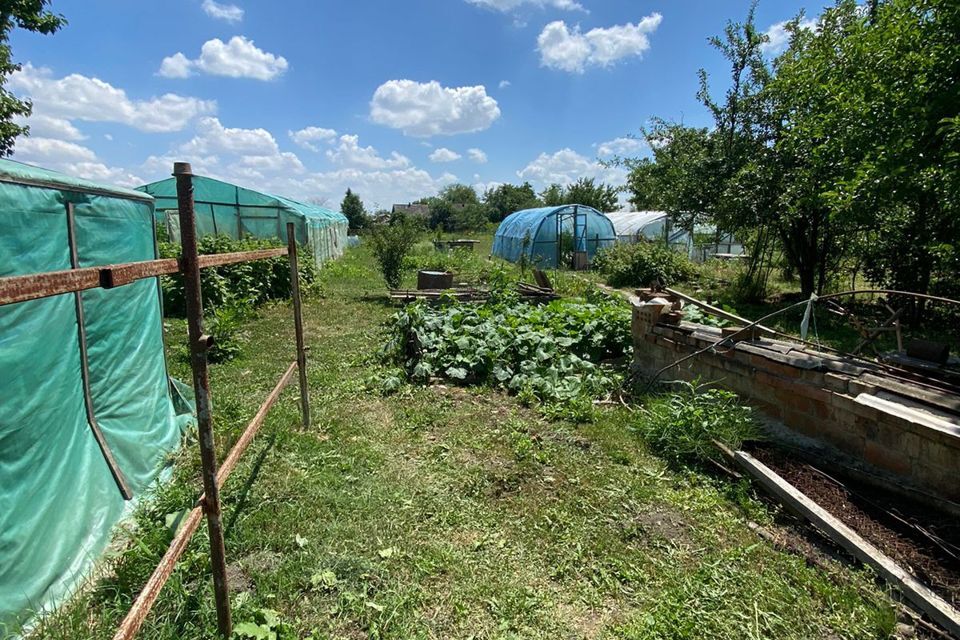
[(447, 512)]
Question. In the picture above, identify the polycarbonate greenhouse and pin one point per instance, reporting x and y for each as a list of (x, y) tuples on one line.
[(70, 362), (227, 209), (553, 236), (631, 226)]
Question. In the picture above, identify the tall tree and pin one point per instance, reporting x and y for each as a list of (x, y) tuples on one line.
[(457, 208), (553, 196), (31, 15), (352, 207), (507, 198), (587, 191)]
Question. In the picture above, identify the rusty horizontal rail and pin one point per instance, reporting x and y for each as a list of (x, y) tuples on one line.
[(52, 283), (220, 259), (151, 590)]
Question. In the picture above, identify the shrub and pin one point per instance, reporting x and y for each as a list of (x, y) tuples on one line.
[(391, 243), (246, 283), (639, 264), (683, 427)]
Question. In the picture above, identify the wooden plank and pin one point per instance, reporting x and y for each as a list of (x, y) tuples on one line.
[(720, 313), (939, 610)]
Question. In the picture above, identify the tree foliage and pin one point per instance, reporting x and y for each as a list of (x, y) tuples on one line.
[(352, 207), (585, 191), (503, 200), (457, 208), (31, 15)]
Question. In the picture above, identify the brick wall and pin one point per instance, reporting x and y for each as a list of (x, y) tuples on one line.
[(906, 432)]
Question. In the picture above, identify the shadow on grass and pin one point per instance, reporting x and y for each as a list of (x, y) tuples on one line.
[(254, 474)]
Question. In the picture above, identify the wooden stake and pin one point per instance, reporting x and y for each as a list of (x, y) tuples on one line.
[(298, 324), (199, 343)]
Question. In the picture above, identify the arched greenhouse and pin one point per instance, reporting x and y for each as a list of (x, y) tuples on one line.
[(569, 235)]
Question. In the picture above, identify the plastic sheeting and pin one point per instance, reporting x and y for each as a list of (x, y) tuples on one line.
[(58, 500), (227, 209), (534, 233), (631, 226)]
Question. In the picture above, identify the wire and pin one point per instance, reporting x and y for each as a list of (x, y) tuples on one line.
[(828, 296)]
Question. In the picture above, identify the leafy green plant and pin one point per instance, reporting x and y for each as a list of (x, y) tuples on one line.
[(684, 426), (639, 264), (254, 282), (391, 243), (265, 625), (226, 324), (552, 354)]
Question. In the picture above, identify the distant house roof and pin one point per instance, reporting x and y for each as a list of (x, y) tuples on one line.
[(413, 209)]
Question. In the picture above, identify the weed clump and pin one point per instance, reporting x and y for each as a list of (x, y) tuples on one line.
[(684, 426)]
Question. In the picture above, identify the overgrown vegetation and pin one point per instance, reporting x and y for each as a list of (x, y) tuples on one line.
[(641, 263), (444, 512), (233, 293), (684, 426), (554, 354)]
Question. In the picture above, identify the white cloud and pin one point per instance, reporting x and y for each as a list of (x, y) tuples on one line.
[(504, 84), (307, 136), (779, 37), (213, 138), (511, 5), (620, 147), (78, 97), (72, 159), (570, 50), (424, 109), (50, 127), (226, 12), (237, 58), (567, 166), (349, 153), (443, 154), (477, 155), (176, 66)]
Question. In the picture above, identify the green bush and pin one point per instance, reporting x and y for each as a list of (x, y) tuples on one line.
[(639, 264), (683, 427), (246, 283), (391, 243)]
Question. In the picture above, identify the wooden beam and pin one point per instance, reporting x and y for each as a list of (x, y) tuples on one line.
[(720, 313), (938, 609)]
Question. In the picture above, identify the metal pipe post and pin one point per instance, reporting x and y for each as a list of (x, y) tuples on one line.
[(199, 343), (298, 323)]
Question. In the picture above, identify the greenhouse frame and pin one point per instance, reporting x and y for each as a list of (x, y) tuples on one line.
[(550, 236), (89, 415), (237, 212)]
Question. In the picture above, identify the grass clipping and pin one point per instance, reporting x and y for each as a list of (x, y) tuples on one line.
[(683, 427)]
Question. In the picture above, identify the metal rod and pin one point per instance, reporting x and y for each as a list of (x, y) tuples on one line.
[(199, 343), (35, 286), (151, 590), (298, 324), (115, 471)]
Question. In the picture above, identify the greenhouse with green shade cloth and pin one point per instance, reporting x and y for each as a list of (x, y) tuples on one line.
[(76, 366), (237, 212), (549, 237)]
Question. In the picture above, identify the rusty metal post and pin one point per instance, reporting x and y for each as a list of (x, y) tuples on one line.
[(298, 323), (199, 343)]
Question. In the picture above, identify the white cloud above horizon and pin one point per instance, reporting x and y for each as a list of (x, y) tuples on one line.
[(506, 6), (569, 50), (622, 146), (566, 166), (307, 136), (425, 109), (477, 155), (226, 12), (779, 37), (79, 97), (239, 57), (442, 154)]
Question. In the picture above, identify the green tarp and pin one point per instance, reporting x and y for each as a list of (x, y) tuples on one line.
[(58, 500), (227, 209)]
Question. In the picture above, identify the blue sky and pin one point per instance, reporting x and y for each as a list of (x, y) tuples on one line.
[(392, 98)]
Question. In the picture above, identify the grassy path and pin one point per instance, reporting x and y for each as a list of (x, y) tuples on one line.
[(457, 513)]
